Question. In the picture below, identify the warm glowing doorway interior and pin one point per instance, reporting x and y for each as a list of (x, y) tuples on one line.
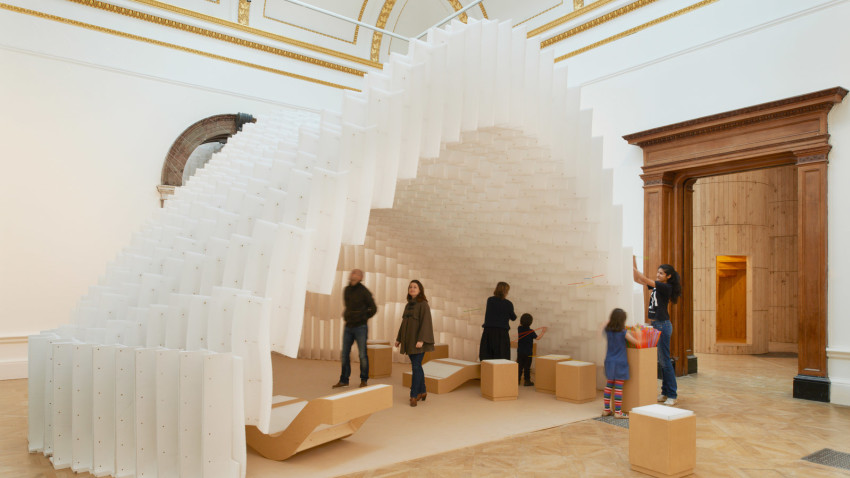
[(732, 299)]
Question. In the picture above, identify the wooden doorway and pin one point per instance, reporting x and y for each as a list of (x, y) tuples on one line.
[(793, 131)]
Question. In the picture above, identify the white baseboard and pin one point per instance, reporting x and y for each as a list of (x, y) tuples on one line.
[(13, 357), (839, 391), (13, 369)]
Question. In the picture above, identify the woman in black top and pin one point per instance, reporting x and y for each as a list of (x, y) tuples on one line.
[(666, 288), (495, 340)]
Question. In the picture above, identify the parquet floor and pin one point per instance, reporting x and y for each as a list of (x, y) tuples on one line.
[(747, 426)]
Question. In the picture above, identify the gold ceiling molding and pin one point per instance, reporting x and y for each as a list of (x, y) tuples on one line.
[(596, 22), (383, 17), (244, 12), (568, 17), (356, 27), (253, 31), (457, 6), (636, 29), (541, 13), (216, 35), (151, 41)]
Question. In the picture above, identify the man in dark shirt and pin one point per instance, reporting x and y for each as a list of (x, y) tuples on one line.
[(359, 308)]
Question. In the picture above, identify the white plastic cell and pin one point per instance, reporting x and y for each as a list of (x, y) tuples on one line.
[(249, 339), (167, 388), (125, 411), (37, 350), (104, 385), (145, 412), (223, 441), (190, 412), (81, 408), (62, 409)]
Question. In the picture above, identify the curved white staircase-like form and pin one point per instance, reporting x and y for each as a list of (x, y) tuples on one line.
[(168, 357)]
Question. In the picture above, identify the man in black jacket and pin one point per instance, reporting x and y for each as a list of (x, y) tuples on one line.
[(359, 308)]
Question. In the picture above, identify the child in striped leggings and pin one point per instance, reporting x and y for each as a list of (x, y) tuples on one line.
[(616, 363)]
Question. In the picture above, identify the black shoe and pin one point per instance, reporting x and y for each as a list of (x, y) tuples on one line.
[(529, 384), (362, 383), (340, 384)]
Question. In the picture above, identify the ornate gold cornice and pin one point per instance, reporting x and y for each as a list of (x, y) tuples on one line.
[(636, 29), (97, 28), (255, 31), (457, 6), (383, 17), (596, 22), (244, 12), (560, 21), (356, 27)]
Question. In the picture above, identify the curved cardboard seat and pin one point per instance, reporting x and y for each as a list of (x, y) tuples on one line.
[(297, 425), (445, 375)]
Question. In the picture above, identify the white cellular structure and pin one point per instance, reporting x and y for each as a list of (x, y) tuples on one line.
[(465, 162)]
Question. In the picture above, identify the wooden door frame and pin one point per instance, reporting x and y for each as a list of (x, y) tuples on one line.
[(785, 132)]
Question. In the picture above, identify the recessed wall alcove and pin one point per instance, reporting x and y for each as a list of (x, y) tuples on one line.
[(791, 131)]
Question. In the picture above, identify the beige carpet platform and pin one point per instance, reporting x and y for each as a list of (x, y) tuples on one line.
[(440, 424)]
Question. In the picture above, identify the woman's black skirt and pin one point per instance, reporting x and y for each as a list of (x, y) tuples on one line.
[(495, 344)]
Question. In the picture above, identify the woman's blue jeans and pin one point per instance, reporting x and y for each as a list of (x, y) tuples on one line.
[(668, 374), (417, 380)]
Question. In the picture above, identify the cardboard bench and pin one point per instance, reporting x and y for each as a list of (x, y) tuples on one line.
[(445, 375), (298, 425)]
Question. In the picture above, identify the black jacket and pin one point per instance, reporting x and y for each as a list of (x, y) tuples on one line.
[(359, 305)]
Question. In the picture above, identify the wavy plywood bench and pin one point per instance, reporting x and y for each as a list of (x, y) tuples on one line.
[(445, 375), (298, 425)]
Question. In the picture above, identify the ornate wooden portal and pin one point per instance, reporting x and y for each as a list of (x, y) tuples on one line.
[(790, 131)]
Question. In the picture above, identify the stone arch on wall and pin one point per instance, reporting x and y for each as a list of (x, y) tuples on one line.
[(216, 128), (791, 131)]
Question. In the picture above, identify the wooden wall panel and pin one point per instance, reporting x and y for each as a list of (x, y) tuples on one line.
[(782, 224)]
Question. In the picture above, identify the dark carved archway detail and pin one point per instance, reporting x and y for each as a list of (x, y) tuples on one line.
[(213, 129)]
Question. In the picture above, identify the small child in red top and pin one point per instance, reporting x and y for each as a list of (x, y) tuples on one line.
[(525, 346)]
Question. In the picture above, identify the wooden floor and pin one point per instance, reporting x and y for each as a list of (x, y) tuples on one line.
[(747, 426)]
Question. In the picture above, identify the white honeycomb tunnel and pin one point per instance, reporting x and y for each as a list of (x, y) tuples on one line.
[(463, 163)]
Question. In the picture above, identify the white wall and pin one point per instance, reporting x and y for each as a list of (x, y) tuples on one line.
[(776, 61), (87, 121)]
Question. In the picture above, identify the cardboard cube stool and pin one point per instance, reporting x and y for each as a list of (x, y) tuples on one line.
[(662, 441), (380, 360), (441, 351), (641, 387), (377, 342), (575, 381), (498, 379), (445, 375), (544, 372)]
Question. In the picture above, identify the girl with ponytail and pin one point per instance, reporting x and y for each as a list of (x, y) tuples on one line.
[(666, 288)]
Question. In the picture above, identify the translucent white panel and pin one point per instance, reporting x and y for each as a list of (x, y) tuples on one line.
[(190, 412), (48, 397), (258, 256), (37, 350), (63, 358), (103, 438), (196, 326), (250, 341), (298, 198), (125, 416), (145, 418), (190, 276), (81, 408), (223, 441), (167, 380), (157, 319), (216, 255), (220, 320), (286, 286), (471, 81), (177, 320)]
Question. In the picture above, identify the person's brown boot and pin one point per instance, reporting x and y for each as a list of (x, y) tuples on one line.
[(340, 384), (412, 401), (422, 396), (362, 383)]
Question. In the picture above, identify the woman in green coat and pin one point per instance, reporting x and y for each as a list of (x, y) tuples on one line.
[(415, 337)]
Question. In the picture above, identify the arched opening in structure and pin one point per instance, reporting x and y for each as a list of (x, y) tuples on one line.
[(195, 146)]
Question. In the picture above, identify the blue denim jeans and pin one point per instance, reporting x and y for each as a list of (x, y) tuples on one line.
[(668, 374), (349, 335), (417, 379)]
